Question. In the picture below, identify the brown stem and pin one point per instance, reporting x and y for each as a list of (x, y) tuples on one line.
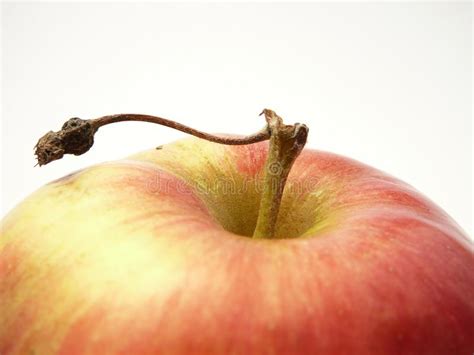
[(286, 142), (77, 135), (260, 136)]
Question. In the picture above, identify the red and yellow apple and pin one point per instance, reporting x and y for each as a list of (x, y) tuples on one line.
[(152, 255)]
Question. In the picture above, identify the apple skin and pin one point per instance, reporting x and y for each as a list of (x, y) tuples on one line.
[(144, 256)]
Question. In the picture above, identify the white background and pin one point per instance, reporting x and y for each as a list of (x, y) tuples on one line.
[(388, 84)]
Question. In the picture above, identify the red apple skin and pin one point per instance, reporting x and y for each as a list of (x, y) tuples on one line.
[(131, 257)]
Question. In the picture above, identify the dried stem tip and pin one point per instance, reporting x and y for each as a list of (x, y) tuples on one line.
[(75, 137)]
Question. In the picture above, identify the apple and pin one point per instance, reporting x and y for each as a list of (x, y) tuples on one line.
[(153, 255)]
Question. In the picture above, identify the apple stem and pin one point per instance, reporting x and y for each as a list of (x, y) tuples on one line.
[(77, 135), (260, 136), (286, 143)]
